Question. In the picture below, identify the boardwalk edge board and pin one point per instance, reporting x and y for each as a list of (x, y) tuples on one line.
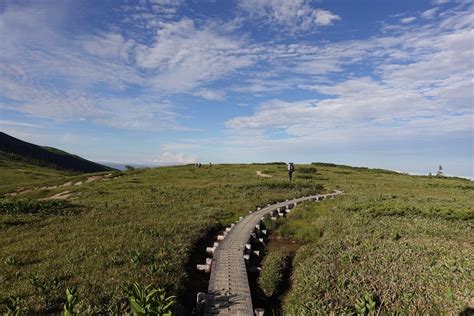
[(229, 292)]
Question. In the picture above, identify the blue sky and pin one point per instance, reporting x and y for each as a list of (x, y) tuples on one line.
[(372, 83)]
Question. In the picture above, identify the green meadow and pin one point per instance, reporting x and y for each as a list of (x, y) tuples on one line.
[(139, 226), (392, 243), (395, 242)]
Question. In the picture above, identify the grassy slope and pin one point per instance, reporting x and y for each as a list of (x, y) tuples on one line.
[(46, 156), (17, 174), (142, 226), (138, 227), (406, 241)]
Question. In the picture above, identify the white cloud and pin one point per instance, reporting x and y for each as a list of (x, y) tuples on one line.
[(212, 95), (166, 6), (109, 45), (18, 124), (324, 17), (408, 19), (185, 56), (50, 74), (428, 68), (175, 158), (293, 15), (262, 86), (430, 13), (423, 89)]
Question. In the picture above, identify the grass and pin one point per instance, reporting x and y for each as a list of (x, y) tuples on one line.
[(272, 272), (139, 227), (17, 174), (30, 207), (16, 149), (406, 242)]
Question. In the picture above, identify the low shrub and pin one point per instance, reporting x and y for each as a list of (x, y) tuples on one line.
[(27, 206), (272, 272)]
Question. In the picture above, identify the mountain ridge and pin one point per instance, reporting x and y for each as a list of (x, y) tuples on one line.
[(46, 156)]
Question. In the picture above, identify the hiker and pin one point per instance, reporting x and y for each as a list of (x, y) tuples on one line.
[(291, 168), (210, 164)]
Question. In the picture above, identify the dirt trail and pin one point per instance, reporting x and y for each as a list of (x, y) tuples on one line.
[(263, 175), (65, 194), (61, 196)]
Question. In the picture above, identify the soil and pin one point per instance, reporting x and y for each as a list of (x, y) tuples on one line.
[(263, 175), (60, 196)]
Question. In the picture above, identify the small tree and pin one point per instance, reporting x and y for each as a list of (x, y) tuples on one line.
[(129, 168)]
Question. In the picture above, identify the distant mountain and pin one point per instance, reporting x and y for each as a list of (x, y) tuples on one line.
[(123, 166), (46, 156)]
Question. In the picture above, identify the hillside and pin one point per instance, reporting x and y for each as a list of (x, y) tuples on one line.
[(406, 241), (15, 149)]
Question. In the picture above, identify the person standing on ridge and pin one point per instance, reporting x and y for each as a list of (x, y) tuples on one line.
[(291, 168)]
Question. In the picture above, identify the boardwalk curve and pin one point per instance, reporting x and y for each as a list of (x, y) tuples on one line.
[(229, 291)]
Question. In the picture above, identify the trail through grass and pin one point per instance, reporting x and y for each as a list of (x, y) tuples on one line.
[(139, 227), (406, 242)]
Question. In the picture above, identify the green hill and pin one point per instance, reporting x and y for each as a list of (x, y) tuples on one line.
[(15, 149)]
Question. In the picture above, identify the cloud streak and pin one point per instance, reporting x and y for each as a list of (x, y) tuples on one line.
[(291, 15), (423, 88)]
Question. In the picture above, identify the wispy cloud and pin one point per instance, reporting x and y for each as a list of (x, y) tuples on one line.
[(175, 158), (423, 89), (49, 74), (140, 68), (211, 95), (184, 56), (408, 19), (19, 124), (292, 15), (430, 13)]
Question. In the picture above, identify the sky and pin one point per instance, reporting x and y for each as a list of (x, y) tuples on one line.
[(385, 84)]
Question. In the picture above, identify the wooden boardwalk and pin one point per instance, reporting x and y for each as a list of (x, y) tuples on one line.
[(229, 291)]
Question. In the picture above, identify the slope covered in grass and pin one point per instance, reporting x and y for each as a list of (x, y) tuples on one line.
[(16, 149), (142, 226), (401, 243), (17, 174), (19, 177)]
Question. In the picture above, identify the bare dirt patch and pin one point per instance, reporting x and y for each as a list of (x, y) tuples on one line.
[(93, 178), (263, 175), (19, 191), (60, 196)]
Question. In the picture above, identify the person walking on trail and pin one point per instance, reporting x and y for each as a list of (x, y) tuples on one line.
[(291, 168)]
